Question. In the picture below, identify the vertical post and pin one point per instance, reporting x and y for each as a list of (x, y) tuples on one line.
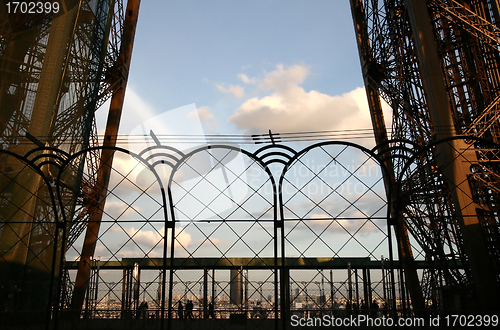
[(104, 172), (349, 282), (331, 288), (246, 291), (124, 294), (285, 295), (369, 287), (365, 289), (241, 288), (205, 293), (381, 138), (357, 286), (160, 294), (402, 291), (383, 278), (322, 293), (213, 287), (136, 287), (96, 287)]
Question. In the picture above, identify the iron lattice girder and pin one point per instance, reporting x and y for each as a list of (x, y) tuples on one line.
[(469, 20), (462, 47), (486, 120)]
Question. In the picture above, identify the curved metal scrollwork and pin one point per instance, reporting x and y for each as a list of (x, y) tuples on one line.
[(284, 222)]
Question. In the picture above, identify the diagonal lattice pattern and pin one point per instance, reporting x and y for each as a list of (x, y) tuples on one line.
[(227, 241), (337, 206)]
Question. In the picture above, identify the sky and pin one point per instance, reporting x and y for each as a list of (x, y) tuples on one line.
[(244, 67)]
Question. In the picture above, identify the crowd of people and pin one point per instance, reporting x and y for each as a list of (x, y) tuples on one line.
[(189, 310), (373, 309), (186, 311)]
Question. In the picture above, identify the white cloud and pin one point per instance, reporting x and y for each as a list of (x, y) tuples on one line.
[(243, 77), (284, 80), (207, 119), (202, 113), (235, 90), (352, 226), (118, 209), (290, 108), (148, 239)]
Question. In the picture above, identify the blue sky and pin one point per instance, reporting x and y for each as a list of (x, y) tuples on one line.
[(247, 66), (241, 67), (183, 48)]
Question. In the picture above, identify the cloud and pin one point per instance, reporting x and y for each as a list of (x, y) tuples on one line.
[(145, 238), (235, 90), (352, 226), (202, 113), (206, 118), (290, 108), (243, 77), (119, 209), (284, 80), (134, 242)]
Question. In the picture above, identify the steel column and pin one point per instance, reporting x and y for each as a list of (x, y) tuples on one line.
[(104, 173), (448, 159)]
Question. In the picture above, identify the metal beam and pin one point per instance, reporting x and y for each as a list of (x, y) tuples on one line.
[(105, 167), (248, 263), (381, 138)]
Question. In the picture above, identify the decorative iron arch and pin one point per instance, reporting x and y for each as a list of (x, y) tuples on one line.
[(153, 158), (370, 154), (255, 160), (143, 161), (35, 162)]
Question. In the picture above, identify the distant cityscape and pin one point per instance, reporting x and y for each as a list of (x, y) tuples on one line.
[(303, 304)]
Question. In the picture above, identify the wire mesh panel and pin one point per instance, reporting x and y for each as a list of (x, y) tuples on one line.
[(224, 207), (129, 238), (219, 210), (30, 251), (334, 204), (335, 208), (220, 244)]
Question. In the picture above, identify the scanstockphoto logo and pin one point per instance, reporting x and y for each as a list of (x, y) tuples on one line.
[(205, 169), (362, 321)]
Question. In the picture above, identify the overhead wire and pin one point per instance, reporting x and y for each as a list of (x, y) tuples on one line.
[(263, 138)]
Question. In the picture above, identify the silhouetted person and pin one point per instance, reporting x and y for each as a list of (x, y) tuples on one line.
[(348, 308), (363, 308), (180, 310), (189, 309), (143, 310), (211, 312), (374, 309), (355, 309)]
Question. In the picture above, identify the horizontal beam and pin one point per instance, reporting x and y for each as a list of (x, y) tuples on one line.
[(247, 263)]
